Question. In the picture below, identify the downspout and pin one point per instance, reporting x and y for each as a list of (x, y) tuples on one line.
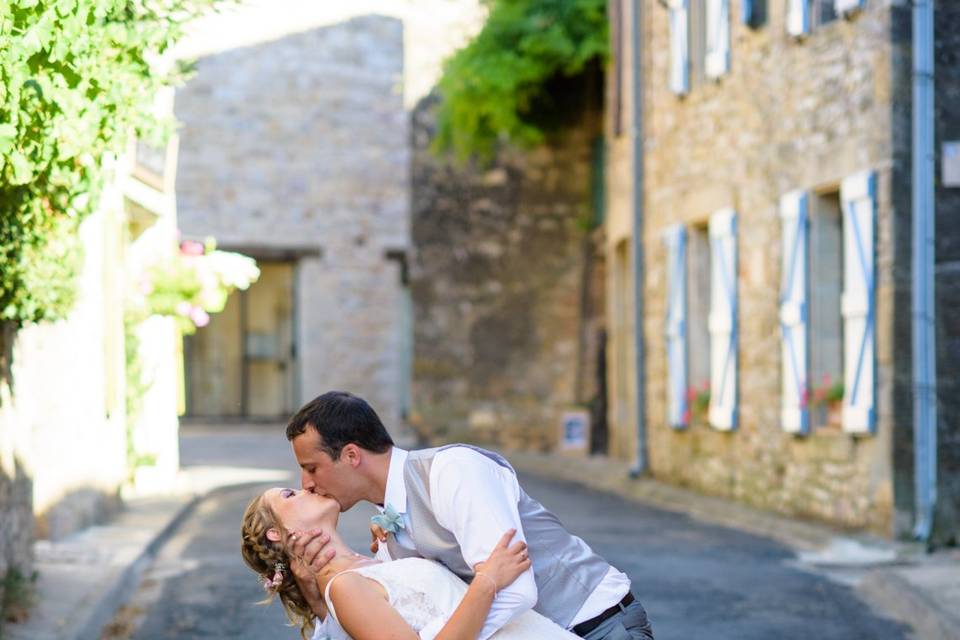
[(636, 130), (924, 336)]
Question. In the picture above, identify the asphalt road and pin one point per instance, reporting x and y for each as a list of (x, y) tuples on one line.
[(696, 580)]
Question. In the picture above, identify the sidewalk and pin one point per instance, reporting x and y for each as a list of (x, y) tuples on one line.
[(897, 579), (86, 577)]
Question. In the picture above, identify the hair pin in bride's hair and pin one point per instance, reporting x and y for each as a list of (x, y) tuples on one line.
[(271, 584)]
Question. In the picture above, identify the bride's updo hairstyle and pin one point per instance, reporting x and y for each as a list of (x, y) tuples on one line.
[(269, 560)]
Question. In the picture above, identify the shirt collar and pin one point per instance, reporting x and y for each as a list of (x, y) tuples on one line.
[(395, 493)]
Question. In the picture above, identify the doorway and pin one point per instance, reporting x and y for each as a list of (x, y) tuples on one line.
[(243, 364)]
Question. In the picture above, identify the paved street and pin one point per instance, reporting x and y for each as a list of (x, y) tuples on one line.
[(696, 580)]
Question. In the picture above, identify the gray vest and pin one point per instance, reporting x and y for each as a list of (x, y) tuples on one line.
[(566, 570)]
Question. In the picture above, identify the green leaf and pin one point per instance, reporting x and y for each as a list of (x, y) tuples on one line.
[(8, 134), (21, 168), (66, 7)]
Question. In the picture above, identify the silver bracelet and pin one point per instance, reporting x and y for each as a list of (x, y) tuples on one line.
[(496, 590)]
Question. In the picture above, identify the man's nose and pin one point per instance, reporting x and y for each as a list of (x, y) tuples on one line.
[(307, 482)]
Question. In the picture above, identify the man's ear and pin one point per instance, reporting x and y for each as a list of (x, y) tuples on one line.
[(273, 535), (351, 454)]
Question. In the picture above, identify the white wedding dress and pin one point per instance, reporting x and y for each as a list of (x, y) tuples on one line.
[(426, 593)]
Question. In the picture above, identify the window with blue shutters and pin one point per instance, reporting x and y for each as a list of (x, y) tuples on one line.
[(723, 320), (805, 15), (859, 199), (794, 341), (697, 325), (753, 13), (675, 241), (825, 324), (717, 61), (679, 47), (845, 7)]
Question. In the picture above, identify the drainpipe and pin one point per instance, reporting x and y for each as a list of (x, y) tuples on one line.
[(924, 337), (636, 130)]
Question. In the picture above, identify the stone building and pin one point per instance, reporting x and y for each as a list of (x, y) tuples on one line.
[(776, 254), (507, 288), (295, 152)]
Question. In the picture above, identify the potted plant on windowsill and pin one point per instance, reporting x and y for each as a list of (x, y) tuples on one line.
[(826, 404), (698, 404)]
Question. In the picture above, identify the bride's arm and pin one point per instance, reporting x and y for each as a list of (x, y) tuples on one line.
[(365, 613), (504, 565)]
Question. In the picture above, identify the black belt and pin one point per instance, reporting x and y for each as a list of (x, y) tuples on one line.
[(587, 626)]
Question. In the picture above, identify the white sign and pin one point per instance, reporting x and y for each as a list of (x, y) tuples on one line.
[(951, 164), (575, 430)]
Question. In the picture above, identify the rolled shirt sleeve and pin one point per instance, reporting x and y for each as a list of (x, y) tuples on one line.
[(476, 500)]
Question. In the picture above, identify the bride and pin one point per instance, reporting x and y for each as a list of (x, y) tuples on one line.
[(409, 599)]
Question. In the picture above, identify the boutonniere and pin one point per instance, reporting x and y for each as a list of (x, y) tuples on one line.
[(390, 521)]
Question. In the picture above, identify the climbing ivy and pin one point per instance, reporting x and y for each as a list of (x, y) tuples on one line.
[(503, 83), (77, 77)]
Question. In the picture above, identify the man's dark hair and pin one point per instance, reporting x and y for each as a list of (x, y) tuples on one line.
[(341, 418)]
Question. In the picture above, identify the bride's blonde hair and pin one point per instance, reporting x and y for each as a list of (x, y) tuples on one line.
[(264, 556)]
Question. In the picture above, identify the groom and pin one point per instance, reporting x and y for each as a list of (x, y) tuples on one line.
[(451, 504)]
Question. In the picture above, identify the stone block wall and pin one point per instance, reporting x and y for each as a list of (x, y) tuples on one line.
[(790, 114), (504, 319), (300, 146)]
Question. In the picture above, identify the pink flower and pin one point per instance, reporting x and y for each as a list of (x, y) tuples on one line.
[(192, 248), (199, 317), (686, 417), (184, 308)]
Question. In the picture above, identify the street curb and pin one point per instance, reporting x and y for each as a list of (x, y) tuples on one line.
[(614, 477), (130, 577), (898, 599)]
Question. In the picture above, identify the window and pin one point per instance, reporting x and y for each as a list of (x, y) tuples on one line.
[(699, 42), (805, 15), (698, 305), (822, 12), (826, 324)]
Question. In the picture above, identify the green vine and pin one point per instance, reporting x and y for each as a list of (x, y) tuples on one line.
[(508, 82), (77, 77)]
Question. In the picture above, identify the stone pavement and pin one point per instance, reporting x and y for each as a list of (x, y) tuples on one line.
[(898, 579)]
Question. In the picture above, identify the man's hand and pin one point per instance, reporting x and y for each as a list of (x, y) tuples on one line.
[(377, 535), (308, 556), (308, 552)]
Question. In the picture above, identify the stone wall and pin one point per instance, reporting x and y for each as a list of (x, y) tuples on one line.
[(791, 114), (947, 100), (16, 486), (505, 319), (299, 147)]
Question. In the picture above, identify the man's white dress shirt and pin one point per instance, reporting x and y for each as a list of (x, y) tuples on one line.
[(476, 499)]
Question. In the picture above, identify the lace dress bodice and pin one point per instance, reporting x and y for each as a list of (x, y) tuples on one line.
[(426, 594)]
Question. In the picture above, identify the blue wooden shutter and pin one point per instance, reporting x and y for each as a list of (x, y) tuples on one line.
[(794, 329), (675, 239), (798, 17), (746, 12), (679, 47), (858, 306), (718, 38), (847, 6), (723, 319)]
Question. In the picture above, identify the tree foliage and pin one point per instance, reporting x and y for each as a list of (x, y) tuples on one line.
[(499, 85), (77, 77)]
